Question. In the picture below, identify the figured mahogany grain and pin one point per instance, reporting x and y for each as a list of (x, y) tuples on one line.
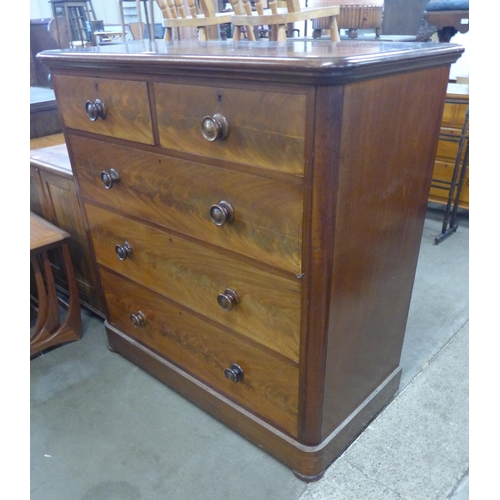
[(128, 114), (178, 194), (269, 386), (266, 129), (194, 275)]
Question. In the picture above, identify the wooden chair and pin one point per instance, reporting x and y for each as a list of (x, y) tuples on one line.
[(150, 19), (277, 18), (204, 19), (49, 330)]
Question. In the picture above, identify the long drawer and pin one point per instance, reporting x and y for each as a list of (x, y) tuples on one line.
[(266, 308), (264, 129), (179, 194), (268, 387), (127, 113)]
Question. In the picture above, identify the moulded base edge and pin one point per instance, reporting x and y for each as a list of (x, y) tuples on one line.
[(307, 462)]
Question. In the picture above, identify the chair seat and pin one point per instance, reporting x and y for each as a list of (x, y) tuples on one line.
[(439, 5)]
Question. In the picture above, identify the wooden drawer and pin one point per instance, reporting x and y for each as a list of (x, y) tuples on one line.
[(266, 129), (178, 194), (269, 386), (454, 115), (443, 171), (128, 114), (268, 311)]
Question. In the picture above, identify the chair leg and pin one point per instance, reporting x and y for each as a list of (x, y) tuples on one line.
[(334, 30)]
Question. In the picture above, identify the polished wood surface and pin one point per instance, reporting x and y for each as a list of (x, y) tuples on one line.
[(455, 109), (53, 196), (126, 103), (270, 384), (178, 194), (335, 133), (44, 235), (269, 309), (49, 329), (46, 141), (272, 135)]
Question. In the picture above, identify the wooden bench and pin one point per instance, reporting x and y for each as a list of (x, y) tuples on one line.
[(49, 329)]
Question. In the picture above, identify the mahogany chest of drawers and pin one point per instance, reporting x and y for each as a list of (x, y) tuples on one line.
[(256, 213)]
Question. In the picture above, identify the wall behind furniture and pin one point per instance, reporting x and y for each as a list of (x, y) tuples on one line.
[(106, 10)]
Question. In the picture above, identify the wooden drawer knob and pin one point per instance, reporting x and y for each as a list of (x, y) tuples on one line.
[(138, 319), (234, 373), (214, 127), (123, 251), (95, 110), (109, 179), (221, 212), (228, 299)]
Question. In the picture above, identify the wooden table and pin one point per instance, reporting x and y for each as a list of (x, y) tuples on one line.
[(49, 329)]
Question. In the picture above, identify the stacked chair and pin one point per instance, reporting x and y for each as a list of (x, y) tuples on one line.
[(244, 19)]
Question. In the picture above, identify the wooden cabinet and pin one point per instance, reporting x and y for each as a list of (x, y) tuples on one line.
[(54, 197), (256, 215), (449, 152)]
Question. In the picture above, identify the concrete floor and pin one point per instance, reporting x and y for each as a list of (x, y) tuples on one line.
[(103, 429)]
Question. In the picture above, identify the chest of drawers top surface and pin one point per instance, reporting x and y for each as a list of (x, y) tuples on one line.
[(305, 60)]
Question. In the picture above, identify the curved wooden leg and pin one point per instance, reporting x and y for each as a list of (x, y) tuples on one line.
[(53, 332)]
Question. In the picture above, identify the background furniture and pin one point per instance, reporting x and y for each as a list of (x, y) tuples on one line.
[(450, 179), (261, 263), (78, 14), (279, 18), (150, 18), (446, 17), (203, 18), (353, 16), (49, 330), (53, 196)]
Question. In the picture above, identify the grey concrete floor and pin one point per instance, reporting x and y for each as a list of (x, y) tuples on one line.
[(103, 429)]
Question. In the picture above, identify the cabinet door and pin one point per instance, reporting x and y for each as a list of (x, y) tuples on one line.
[(36, 192), (61, 207)]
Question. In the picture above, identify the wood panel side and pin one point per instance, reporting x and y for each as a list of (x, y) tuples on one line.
[(390, 131), (319, 223)]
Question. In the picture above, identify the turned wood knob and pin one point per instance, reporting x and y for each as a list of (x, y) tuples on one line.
[(109, 179), (123, 251), (95, 110), (234, 373), (221, 212), (214, 127), (228, 299), (138, 319)]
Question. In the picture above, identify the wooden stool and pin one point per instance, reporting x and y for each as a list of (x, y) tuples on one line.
[(49, 330)]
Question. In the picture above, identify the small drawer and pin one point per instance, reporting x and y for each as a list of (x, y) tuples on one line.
[(268, 386), (117, 108), (258, 128), (188, 196), (257, 304)]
